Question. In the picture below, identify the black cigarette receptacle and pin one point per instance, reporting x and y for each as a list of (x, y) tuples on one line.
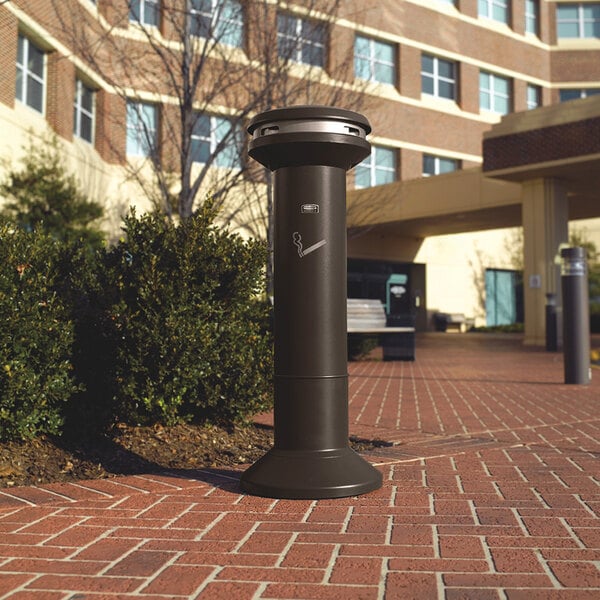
[(309, 149)]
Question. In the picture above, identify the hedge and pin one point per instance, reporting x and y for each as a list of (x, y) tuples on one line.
[(164, 327), (36, 336)]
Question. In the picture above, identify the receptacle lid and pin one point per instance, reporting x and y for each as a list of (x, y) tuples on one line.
[(309, 118)]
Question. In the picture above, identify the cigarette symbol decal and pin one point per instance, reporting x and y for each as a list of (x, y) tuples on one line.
[(301, 251)]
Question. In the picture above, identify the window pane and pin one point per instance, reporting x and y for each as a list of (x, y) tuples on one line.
[(134, 10), (149, 116), (86, 128), (485, 100), (19, 85), (312, 32), (229, 24), (591, 30), (533, 96), (501, 85), (200, 26), (592, 92), (567, 12), (427, 63), (200, 151), (384, 158), (35, 94), (568, 30), (313, 55), (361, 46), (35, 64), (428, 165), (362, 68), (591, 11), (141, 128), (202, 127), (286, 36), (427, 85), (382, 177), (21, 50), (499, 13), (203, 6), (531, 16), (447, 165), (286, 25), (152, 13), (501, 105), (384, 73), (446, 90), (362, 177), (230, 155), (87, 98), (566, 95), (384, 52), (446, 69)]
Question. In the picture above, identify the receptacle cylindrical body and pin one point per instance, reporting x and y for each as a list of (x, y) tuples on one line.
[(310, 312), (576, 317), (309, 149)]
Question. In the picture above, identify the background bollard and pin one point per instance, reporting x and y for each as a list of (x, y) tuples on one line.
[(310, 148), (576, 316), (551, 324)]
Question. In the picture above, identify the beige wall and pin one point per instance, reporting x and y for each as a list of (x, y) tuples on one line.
[(456, 265), (456, 269), (104, 183)]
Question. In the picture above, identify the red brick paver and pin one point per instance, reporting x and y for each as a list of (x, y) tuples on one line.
[(491, 490)]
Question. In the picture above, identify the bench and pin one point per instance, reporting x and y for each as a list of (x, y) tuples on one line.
[(368, 317)]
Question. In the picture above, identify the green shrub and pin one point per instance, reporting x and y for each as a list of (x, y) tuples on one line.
[(36, 334), (171, 330)]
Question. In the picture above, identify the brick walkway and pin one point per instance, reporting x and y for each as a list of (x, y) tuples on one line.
[(491, 490)]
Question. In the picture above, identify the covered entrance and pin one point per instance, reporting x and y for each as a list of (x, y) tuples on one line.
[(541, 169)]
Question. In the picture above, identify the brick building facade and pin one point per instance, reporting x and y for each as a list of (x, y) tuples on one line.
[(452, 69), (432, 76)]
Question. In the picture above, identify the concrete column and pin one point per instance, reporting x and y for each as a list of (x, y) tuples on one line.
[(545, 227)]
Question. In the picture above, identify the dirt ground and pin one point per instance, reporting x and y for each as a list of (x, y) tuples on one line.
[(130, 450)]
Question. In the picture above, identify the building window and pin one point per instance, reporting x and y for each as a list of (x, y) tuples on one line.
[(217, 135), (438, 77), (83, 112), (30, 74), (532, 16), (220, 20), (494, 93), (578, 20), (497, 10), (534, 96), (300, 40), (436, 165), (576, 94), (374, 60), (142, 127), (376, 169), (145, 12)]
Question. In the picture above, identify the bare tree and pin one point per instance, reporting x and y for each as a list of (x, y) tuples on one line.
[(210, 65)]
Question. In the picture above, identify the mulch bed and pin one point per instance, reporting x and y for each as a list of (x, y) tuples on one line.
[(135, 450)]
